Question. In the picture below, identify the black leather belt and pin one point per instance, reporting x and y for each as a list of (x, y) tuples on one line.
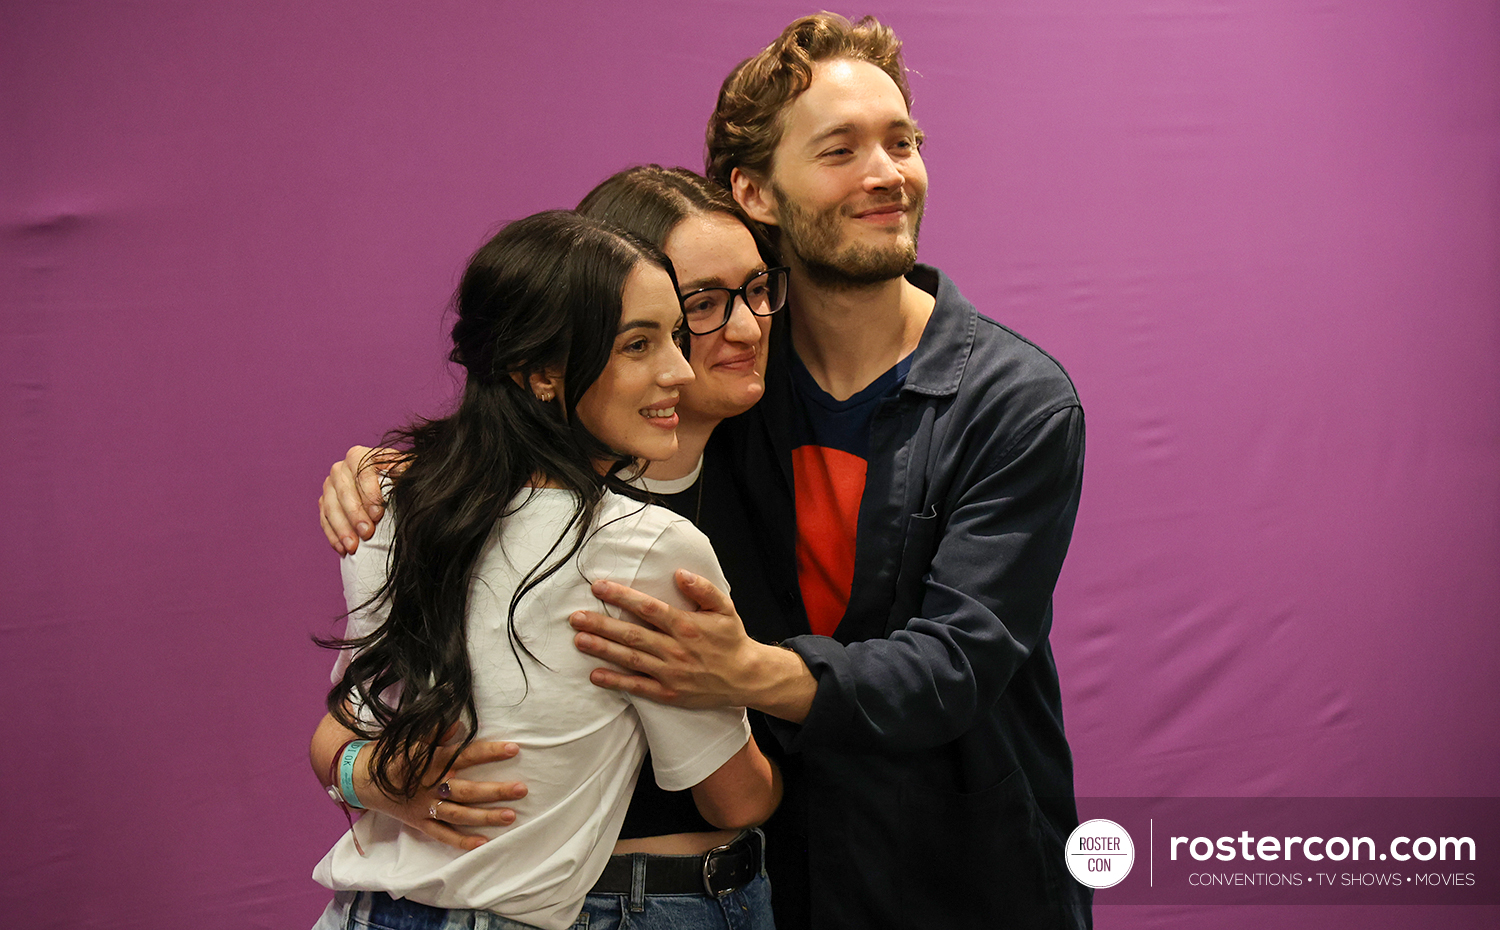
[(717, 872)]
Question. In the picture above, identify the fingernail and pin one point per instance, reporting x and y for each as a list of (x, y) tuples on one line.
[(512, 747), (348, 544), (576, 618), (507, 816), (374, 511), (363, 528)]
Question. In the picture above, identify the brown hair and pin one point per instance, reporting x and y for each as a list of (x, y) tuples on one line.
[(747, 123), (649, 201)]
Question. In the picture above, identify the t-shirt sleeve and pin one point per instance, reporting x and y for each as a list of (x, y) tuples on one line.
[(687, 746), (363, 573)]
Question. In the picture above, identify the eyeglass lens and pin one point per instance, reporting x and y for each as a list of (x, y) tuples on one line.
[(708, 309)]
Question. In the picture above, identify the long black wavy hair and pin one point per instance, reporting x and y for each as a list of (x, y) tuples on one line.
[(543, 295)]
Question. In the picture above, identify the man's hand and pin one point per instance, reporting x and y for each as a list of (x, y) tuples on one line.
[(352, 503), (700, 659)]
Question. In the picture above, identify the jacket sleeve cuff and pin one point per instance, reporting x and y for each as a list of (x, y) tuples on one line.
[(829, 713)]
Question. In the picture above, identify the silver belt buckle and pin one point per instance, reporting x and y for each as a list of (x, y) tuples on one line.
[(708, 887)]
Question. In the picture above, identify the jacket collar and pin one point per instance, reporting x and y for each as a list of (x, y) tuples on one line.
[(942, 354)]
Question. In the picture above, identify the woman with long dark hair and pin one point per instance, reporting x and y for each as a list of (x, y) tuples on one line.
[(505, 512)]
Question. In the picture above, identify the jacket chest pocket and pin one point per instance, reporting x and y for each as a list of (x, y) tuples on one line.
[(918, 546), (897, 521), (921, 522)]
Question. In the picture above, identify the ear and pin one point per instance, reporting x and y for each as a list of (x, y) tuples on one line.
[(545, 385), (754, 196)]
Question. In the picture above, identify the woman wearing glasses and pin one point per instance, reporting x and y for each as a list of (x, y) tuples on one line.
[(730, 286), (729, 291)]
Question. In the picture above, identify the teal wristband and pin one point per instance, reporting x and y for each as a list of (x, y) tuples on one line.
[(346, 771)]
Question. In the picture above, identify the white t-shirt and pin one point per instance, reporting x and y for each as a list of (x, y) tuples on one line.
[(581, 745)]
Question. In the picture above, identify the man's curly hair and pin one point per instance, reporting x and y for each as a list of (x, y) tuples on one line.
[(747, 123)]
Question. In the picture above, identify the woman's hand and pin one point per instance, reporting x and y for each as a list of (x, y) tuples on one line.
[(351, 503), (456, 802), (439, 811)]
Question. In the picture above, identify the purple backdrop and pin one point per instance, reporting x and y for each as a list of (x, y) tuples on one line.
[(1264, 238)]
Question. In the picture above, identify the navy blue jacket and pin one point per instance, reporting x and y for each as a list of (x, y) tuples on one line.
[(931, 784)]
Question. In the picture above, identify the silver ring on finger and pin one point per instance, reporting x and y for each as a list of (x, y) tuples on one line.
[(433, 811)]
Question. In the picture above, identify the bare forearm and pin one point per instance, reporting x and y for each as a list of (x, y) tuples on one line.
[(327, 740), (743, 792), (779, 684)]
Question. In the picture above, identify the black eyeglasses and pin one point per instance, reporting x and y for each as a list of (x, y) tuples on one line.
[(707, 309)]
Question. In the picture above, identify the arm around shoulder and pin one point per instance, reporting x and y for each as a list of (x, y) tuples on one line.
[(352, 502)]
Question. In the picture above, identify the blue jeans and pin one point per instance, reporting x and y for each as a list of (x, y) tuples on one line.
[(749, 908)]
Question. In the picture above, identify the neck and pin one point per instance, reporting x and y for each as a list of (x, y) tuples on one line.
[(849, 336), (692, 437)]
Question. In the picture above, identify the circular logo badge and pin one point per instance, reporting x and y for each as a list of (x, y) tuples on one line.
[(1100, 853)]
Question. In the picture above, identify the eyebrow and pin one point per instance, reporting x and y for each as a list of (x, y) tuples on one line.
[(636, 324), (698, 284)]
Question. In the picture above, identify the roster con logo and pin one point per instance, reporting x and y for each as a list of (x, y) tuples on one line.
[(1100, 853)]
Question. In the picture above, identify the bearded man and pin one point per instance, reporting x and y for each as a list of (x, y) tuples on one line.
[(915, 469)]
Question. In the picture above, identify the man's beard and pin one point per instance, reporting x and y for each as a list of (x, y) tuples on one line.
[(813, 238)]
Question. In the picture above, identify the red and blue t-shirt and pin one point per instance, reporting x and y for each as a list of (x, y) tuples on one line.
[(830, 446)]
